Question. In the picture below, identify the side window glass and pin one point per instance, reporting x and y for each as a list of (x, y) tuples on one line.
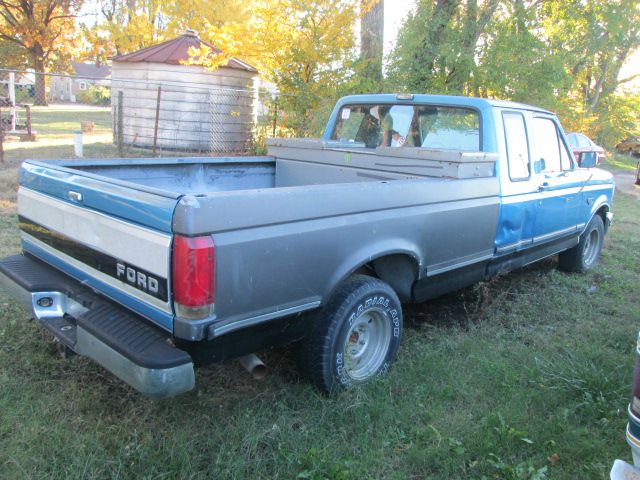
[(565, 157), (517, 148), (545, 137)]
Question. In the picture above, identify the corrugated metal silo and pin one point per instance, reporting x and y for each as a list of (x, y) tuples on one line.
[(199, 109)]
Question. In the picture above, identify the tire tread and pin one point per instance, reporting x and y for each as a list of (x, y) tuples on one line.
[(316, 349)]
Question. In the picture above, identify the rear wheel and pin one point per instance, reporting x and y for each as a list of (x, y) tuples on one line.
[(356, 337), (586, 254)]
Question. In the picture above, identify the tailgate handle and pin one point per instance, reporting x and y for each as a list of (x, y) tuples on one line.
[(74, 196)]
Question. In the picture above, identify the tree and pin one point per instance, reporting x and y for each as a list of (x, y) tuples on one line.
[(372, 39), (129, 25), (515, 63), (437, 46), (594, 40), (43, 29), (305, 47)]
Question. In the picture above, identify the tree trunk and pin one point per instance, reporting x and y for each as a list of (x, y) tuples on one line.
[(40, 87), (372, 38)]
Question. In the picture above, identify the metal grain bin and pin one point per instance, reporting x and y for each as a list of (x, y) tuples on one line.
[(199, 109)]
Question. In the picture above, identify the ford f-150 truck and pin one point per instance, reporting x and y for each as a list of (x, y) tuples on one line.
[(154, 266)]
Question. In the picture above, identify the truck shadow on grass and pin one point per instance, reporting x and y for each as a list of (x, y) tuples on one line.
[(469, 305)]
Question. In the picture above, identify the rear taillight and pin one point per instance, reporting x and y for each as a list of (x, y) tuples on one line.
[(635, 395), (193, 276)]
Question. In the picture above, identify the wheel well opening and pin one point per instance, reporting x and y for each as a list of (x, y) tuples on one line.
[(602, 211), (399, 271)]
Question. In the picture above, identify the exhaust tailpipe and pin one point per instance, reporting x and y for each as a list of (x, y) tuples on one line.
[(252, 364)]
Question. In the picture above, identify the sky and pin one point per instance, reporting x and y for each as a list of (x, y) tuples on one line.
[(394, 14)]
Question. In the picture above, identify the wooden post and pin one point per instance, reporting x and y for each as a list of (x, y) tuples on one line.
[(28, 110), (29, 136), (119, 123), (155, 127), (275, 117), (1, 138)]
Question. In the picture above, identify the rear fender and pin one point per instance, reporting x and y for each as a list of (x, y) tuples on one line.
[(391, 260)]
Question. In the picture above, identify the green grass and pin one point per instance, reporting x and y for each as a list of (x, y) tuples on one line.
[(523, 377), (619, 161), (55, 125)]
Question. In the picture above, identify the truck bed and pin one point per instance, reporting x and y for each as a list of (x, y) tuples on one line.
[(266, 211), (294, 162)]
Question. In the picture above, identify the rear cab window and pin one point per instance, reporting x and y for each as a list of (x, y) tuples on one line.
[(424, 126)]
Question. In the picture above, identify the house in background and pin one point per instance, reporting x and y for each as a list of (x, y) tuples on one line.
[(67, 88)]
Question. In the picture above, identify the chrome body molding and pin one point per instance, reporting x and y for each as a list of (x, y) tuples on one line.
[(552, 235), (230, 326)]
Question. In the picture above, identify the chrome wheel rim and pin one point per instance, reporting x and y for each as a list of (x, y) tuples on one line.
[(367, 344), (591, 247)]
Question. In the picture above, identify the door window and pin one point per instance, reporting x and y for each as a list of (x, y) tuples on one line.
[(517, 148), (548, 145), (565, 157)]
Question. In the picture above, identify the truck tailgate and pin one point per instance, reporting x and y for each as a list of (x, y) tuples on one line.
[(112, 237)]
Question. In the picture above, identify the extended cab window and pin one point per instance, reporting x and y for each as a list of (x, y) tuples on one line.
[(517, 148), (549, 147), (423, 126)]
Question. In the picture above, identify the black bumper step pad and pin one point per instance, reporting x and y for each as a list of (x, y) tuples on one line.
[(130, 336), (36, 276), (123, 331)]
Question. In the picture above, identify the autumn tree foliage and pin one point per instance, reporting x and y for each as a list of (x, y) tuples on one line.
[(42, 29), (124, 26), (307, 48)]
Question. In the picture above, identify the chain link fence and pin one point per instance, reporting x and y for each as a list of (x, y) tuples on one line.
[(104, 117)]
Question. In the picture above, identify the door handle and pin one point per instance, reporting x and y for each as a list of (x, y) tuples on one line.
[(74, 196), (543, 186)]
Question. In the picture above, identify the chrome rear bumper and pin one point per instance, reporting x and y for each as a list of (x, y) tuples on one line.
[(120, 341)]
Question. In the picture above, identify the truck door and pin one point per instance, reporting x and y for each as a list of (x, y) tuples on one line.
[(519, 187), (559, 184)]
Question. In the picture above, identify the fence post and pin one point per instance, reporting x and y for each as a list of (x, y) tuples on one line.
[(27, 107), (155, 127), (1, 138), (275, 117), (119, 123)]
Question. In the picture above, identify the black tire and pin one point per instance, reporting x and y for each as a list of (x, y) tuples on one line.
[(586, 254), (364, 316)]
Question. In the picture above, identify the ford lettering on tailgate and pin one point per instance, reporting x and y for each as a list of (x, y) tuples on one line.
[(138, 278)]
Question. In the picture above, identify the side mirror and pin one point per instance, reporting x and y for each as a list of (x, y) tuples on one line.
[(539, 166), (588, 159)]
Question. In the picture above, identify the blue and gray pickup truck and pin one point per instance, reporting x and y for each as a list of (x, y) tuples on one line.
[(152, 267)]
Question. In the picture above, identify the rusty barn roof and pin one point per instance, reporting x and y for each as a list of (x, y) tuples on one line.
[(176, 51)]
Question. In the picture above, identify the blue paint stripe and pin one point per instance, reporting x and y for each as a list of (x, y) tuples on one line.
[(143, 208), (160, 318)]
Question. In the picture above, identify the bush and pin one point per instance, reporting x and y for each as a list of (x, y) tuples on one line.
[(95, 95)]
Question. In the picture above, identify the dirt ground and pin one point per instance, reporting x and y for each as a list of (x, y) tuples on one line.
[(625, 182)]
